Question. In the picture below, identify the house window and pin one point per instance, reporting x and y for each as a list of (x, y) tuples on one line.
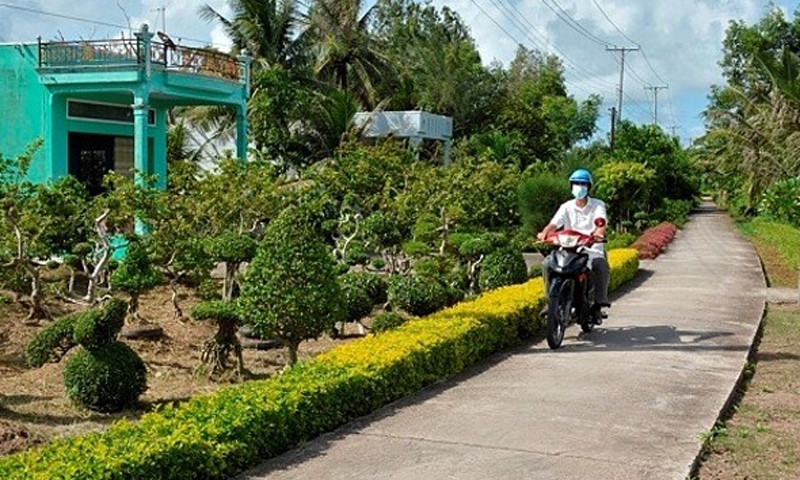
[(104, 112)]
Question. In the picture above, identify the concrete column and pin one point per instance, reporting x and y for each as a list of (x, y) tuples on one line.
[(145, 38), (141, 162), (447, 145), (241, 133)]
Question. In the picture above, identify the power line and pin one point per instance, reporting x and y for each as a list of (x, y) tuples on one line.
[(567, 60), (614, 24), (96, 22), (596, 83), (574, 24), (512, 37)]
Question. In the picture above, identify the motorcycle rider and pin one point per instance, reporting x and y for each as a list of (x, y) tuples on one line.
[(588, 216)]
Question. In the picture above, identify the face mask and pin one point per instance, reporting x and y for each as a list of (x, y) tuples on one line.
[(580, 191)]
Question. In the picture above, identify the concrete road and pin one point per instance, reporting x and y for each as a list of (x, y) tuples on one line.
[(627, 401)]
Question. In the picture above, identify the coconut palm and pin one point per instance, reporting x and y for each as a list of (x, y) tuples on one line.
[(345, 54)]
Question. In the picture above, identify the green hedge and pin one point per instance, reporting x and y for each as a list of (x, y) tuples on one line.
[(218, 435)]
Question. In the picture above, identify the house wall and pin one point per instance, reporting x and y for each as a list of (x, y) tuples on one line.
[(22, 101)]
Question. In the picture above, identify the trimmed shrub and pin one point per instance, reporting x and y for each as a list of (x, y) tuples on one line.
[(502, 267), (387, 321), (98, 327), (375, 286), (106, 379), (357, 303), (218, 435), (535, 270), (233, 248), (417, 295), (290, 292), (539, 198), (52, 342), (654, 240)]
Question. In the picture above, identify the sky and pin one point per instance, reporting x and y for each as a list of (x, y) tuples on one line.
[(679, 41)]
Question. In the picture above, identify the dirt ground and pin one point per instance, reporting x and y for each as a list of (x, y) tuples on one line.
[(34, 408), (762, 438)]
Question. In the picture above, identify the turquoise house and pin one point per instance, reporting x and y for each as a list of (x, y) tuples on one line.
[(102, 105)]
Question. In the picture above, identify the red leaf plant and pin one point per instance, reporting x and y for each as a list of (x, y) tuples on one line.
[(654, 240)]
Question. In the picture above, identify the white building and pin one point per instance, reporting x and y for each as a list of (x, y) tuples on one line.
[(414, 125)]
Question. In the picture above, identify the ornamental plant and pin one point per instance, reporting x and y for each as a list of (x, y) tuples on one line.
[(135, 276), (104, 375), (217, 350), (502, 267), (290, 291), (654, 240)]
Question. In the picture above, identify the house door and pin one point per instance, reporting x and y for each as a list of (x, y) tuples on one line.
[(91, 157)]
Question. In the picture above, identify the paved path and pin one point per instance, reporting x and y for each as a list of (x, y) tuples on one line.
[(628, 401)]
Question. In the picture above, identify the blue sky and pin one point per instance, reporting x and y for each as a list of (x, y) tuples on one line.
[(680, 40)]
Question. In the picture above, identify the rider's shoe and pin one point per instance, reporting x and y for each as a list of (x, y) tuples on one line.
[(597, 313), (543, 311)]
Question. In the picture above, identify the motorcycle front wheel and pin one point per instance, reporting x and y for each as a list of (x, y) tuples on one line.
[(558, 311)]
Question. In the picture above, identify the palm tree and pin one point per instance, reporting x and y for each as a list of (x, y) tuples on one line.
[(268, 29), (345, 53)]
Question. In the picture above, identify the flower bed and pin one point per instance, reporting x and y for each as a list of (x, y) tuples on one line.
[(218, 435), (654, 240)]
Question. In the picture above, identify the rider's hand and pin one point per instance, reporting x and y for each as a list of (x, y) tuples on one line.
[(599, 238), (540, 236)]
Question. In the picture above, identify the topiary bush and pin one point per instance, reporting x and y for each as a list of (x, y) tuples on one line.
[(104, 375), (357, 303), (417, 295), (97, 327), (502, 267), (105, 379), (135, 275), (375, 286), (232, 249), (290, 291), (52, 342), (387, 321)]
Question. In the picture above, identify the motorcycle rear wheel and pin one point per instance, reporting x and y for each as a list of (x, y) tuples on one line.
[(558, 311)]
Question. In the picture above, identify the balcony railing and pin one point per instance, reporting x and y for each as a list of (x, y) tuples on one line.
[(125, 52)]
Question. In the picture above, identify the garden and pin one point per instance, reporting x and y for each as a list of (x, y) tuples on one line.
[(267, 295)]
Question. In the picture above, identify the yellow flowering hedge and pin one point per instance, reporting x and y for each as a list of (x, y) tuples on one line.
[(218, 435)]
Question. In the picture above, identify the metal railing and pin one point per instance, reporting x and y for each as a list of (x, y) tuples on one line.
[(105, 53)]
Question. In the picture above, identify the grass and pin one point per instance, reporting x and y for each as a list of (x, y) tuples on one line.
[(762, 438), (778, 244)]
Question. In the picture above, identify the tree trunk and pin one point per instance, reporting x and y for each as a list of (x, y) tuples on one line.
[(177, 313), (37, 310), (291, 354), (230, 278), (133, 308)]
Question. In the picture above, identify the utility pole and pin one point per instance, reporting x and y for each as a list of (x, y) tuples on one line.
[(674, 129), (162, 10), (621, 75), (655, 89), (613, 126)]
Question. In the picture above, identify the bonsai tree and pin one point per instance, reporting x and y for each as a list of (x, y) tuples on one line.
[(232, 249), (135, 276), (290, 291), (218, 349), (104, 375)]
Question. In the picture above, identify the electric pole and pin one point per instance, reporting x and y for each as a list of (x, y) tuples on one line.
[(655, 89), (162, 10), (621, 75), (613, 126)]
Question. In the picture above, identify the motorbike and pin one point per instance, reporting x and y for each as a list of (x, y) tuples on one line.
[(571, 294)]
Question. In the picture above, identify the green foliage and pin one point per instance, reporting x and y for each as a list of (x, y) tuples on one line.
[(52, 342), (289, 291), (539, 198), (356, 254), (502, 267), (357, 303), (97, 327), (375, 286), (781, 201), (417, 295), (625, 187), (620, 239), (233, 248), (136, 274), (106, 379), (387, 321), (221, 434), (382, 231), (470, 246), (209, 289), (216, 311), (535, 271)]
